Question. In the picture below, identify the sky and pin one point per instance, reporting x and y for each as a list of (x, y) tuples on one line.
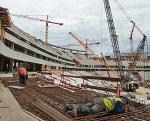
[(85, 18)]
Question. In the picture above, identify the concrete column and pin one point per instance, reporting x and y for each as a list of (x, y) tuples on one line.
[(11, 64), (40, 57), (1, 64), (12, 46), (34, 67), (0, 31), (25, 64), (25, 51), (83, 82), (15, 64), (34, 54)]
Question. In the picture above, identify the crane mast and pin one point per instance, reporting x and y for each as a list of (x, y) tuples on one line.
[(46, 30), (114, 38), (137, 55)]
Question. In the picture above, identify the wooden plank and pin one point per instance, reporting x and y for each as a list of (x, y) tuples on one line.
[(99, 88), (95, 77), (58, 116)]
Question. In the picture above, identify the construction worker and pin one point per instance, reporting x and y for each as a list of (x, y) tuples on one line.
[(112, 105), (22, 75)]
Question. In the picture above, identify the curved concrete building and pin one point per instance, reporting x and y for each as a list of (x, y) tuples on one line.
[(18, 47)]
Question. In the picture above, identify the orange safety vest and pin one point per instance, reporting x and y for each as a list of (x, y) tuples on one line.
[(22, 71)]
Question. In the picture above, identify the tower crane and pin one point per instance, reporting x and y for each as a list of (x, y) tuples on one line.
[(100, 59), (108, 66), (125, 82), (38, 19), (86, 44), (137, 55), (74, 44)]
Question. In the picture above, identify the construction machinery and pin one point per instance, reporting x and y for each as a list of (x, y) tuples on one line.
[(100, 59), (114, 39), (136, 57), (126, 83), (131, 37), (38, 19)]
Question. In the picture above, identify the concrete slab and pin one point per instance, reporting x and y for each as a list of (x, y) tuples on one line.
[(10, 110)]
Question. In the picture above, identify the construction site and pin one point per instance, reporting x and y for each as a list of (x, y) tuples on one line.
[(40, 81)]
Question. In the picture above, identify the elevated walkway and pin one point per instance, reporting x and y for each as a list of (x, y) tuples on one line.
[(10, 110)]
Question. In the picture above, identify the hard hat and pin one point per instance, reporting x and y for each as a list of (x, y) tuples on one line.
[(125, 97)]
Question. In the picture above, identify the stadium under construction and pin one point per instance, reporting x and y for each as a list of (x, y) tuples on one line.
[(66, 84)]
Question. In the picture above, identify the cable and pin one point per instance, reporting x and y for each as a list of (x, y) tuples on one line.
[(128, 16), (123, 10), (101, 36)]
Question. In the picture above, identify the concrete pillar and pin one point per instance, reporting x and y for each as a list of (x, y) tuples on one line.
[(34, 54), (15, 64), (11, 64), (12, 46), (34, 67), (11, 61), (83, 82), (25, 51), (0, 31), (1, 64), (40, 57), (25, 64)]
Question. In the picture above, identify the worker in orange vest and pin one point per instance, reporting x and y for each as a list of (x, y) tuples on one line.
[(22, 75)]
